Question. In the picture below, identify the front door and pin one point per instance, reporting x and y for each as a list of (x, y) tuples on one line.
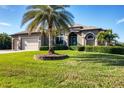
[(73, 39)]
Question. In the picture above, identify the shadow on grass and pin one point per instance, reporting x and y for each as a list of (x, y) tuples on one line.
[(107, 59)]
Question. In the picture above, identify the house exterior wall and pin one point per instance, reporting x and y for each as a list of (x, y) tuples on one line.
[(79, 39), (44, 41), (84, 33), (65, 37)]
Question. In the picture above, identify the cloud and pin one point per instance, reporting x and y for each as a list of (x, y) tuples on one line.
[(120, 21), (5, 24)]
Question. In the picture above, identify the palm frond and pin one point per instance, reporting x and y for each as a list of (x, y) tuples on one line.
[(45, 16)]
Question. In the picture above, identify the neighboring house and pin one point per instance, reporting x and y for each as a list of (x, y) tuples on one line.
[(78, 35)]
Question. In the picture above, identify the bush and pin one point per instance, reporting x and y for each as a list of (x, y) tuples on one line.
[(102, 49), (57, 47), (105, 49), (44, 48), (117, 50), (61, 47), (73, 47), (89, 48), (5, 41), (80, 48)]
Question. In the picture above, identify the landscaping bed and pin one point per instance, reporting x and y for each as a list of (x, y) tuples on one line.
[(50, 57)]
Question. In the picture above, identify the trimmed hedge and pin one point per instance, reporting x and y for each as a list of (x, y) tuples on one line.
[(44, 48), (89, 48), (73, 47), (61, 47), (57, 47), (105, 49), (101, 49), (80, 48)]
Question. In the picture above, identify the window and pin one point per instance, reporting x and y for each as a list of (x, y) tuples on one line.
[(90, 37), (59, 40)]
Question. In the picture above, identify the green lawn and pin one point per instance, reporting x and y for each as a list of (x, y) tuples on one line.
[(80, 70)]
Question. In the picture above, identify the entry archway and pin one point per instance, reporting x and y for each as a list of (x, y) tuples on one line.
[(72, 38)]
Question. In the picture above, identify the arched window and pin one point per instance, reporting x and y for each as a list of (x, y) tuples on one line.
[(90, 36), (90, 39)]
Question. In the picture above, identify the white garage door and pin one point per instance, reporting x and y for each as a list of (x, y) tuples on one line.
[(30, 43)]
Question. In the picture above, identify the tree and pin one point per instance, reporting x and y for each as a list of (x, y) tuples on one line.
[(50, 17), (5, 41), (101, 37), (107, 37), (110, 36)]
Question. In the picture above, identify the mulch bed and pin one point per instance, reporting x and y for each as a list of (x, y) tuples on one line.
[(50, 57)]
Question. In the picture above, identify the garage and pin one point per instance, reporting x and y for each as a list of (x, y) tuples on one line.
[(30, 43)]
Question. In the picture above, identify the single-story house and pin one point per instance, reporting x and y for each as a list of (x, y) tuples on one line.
[(78, 35)]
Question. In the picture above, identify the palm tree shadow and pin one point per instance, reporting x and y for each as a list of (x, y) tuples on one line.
[(117, 63), (106, 60)]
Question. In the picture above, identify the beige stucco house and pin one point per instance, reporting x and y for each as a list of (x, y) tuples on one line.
[(78, 35)]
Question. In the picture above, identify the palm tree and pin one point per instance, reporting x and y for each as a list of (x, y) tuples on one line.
[(50, 17), (107, 37), (101, 37), (110, 36)]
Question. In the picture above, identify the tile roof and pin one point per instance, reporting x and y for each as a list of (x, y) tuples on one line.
[(76, 27), (24, 32)]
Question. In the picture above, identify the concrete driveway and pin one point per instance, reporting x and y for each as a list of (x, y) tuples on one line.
[(8, 51)]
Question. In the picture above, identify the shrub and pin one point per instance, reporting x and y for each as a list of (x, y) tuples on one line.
[(105, 49), (102, 49), (89, 48), (117, 50), (80, 48), (61, 47), (44, 48), (73, 47), (56, 47)]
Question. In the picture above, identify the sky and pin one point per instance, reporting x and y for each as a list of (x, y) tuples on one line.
[(106, 17)]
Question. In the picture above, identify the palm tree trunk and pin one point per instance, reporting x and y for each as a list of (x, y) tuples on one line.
[(51, 50), (106, 43), (109, 42)]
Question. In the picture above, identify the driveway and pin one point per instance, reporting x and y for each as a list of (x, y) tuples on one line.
[(8, 51)]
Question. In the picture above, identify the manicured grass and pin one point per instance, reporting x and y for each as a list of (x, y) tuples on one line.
[(80, 70)]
